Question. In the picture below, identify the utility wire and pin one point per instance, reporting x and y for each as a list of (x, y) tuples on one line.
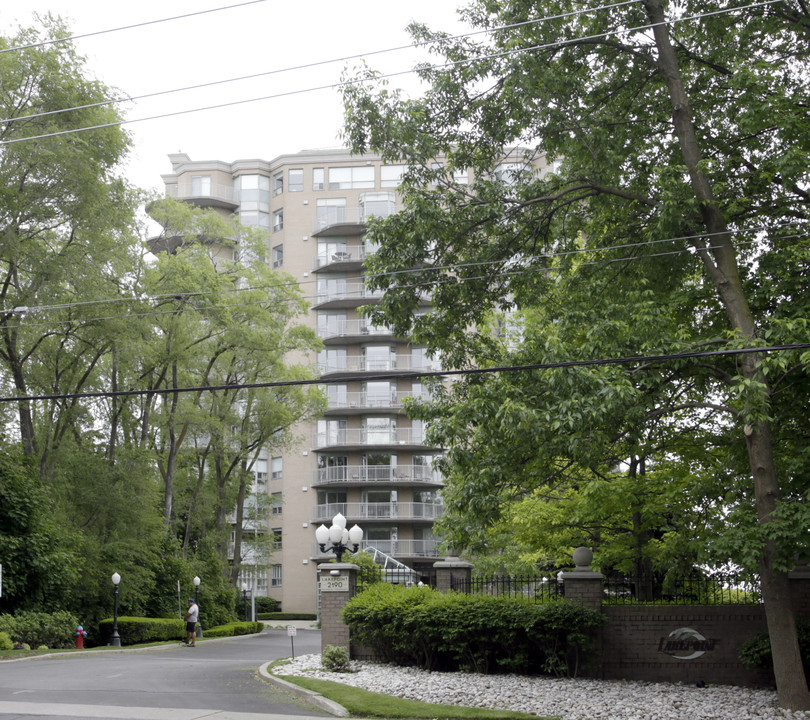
[(634, 359), (427, 284), (55, 41), (305, 66), (442, 268), (376, 78)]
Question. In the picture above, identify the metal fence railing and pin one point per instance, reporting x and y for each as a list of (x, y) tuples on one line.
[(715, 589), (539, 589)]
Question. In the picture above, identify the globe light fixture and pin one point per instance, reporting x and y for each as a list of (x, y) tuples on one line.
[(115, 640), (337, 538)]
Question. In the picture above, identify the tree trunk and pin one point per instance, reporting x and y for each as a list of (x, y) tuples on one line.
[(238, 529), (721, 265)]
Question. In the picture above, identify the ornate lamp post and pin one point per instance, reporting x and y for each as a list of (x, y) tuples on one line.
[(244, 598), (116, 638), (198, 629), (338, 538)]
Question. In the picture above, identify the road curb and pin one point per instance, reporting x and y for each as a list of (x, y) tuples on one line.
[(312, 697)]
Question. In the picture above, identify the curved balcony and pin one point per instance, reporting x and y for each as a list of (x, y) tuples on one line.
[(355, 329), (358, 512), (347, 475), (394, 363), (360, 438), (353, 403), (349, 258), (345, 295), (398, 549), (213, 195)]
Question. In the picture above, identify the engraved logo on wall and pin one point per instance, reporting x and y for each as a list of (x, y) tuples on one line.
[(685, 644)]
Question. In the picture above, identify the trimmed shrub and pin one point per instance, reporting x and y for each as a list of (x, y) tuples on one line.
[(5, 642), (56, 630), (286, 616), (479, 633), (756, 652), (136, 630), (335, 659), (266, 604), (233, 629)]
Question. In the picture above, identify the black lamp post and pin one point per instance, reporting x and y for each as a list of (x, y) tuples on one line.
[(244, 598), (116, 638), (338, 538)]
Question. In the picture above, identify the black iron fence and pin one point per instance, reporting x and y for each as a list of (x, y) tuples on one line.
[(539, 589), (715, 589)]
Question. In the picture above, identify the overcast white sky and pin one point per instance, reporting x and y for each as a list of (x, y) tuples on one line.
[(257, 38)]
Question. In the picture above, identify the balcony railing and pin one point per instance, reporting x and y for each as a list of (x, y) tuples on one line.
[(358, 363), (346, 291), (377, 474), (378, 511), (333, 215), (365, 437), (349, 254), (393, 548), (371, 400), (354, 327), (215, 191)]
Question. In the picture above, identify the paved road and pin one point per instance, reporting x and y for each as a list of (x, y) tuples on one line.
[(215, 680)]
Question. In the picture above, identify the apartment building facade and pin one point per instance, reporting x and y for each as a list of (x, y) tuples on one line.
[(364, 458)]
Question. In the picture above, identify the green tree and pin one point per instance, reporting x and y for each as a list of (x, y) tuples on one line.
[(68, 237), (680, 149)]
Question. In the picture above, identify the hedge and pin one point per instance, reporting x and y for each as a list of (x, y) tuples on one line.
[(136, 630), (234, 628), (479, 633), (286, 616), (55, 630)]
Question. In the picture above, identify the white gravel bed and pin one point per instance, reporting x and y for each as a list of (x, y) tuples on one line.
[(566, 698)]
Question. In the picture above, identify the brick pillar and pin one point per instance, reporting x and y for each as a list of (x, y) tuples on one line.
[(800, 590), (338, 584), (450, 569), (582, 585)]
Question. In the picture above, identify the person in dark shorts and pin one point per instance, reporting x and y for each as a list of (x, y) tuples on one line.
[(191, 618)]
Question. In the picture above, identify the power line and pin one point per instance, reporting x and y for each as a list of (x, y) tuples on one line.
[(295, 68), (376, 78), (426, 283), (55, 41), (417, 375)]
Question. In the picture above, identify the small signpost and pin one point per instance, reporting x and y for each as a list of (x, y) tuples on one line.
[(291, 630)]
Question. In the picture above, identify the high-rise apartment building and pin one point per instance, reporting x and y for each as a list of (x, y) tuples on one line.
[(364, 458)]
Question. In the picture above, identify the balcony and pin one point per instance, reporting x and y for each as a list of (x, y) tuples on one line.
[(357, 512), (358, 329), (394, 363), (355, 402), (213, 195), (351, 257), (345, 295), (399, 549), (377, 474), (338, 221), (362, 438)]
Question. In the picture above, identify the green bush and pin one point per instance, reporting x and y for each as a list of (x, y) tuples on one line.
[(287, 616), (5, 642), (480, 633), (234, 628), (136, 630), (756, 652), (266, 604), (55, 630), (335, 659)]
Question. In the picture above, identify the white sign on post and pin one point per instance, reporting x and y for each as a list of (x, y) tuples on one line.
[(335, 583), (291, 630)]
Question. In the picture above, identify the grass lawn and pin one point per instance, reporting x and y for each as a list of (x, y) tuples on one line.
[(362, 703)]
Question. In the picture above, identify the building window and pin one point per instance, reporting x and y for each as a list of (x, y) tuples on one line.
[(253, 193), (276, 538), (351, 178), (276, 468), (278, 256), (295, 181), (275, 499), (200, 185), (278, 220), (330, 211), (391, 175), (317, 179), (377, 205), (278, 183), (275, 576)]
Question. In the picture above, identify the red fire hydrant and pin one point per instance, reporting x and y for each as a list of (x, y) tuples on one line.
[(81, 634)]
